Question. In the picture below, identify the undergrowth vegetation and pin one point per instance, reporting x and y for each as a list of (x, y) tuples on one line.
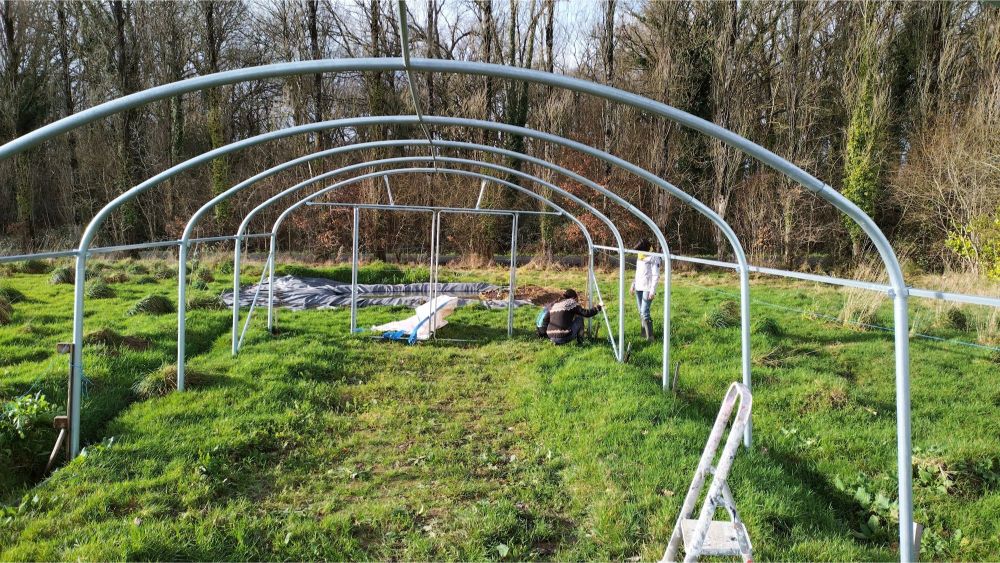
[(316, 444)]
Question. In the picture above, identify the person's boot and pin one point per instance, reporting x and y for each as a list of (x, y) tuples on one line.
[(647, 329), (645, 333)]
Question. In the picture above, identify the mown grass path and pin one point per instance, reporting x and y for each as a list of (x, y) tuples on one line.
[(318, 445)]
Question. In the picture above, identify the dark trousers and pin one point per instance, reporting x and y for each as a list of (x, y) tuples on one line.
[(575, 330)]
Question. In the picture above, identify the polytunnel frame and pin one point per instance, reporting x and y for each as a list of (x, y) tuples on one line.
[(898, 291), (621, 251), (308, 200)]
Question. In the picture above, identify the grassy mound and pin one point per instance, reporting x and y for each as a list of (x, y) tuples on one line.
[(6, 311), (152, 305), (113, 339), (62, 276), (164, 381), (98, 289), (34, 267), (11, 294), (204, 301)]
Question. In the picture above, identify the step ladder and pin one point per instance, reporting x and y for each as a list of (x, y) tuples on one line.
[(705, 536)]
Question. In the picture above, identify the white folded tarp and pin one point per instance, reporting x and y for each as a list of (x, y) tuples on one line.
[(418, 327), (319, 293)]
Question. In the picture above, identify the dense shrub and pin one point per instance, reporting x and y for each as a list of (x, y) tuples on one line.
[(98, 289), (152, 305), (62, 275), (25, 430), (726, 314)]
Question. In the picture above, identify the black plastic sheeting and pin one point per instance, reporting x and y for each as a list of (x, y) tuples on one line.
[(296, 293)]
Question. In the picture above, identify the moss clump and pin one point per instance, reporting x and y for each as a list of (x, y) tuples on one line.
[(6, 312), (725, 315), (97, 289), (164, 380), (62, 275), (152, 305), (113, 339), (11, 295), (767, 326), (955, 318)]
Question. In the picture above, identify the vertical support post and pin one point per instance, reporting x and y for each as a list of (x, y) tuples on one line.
[(433, 264), (354, 270), (621, 305), (666, 319), (237, 248), (904, 461), (270, 284), (513, 275), (182, 254), (591, 282), (745, 341), (76, 365)]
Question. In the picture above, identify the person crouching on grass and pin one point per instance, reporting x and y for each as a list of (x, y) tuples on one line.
[(564, 319), (647, 275)]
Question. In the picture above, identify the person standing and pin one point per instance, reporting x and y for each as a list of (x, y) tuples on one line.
[(647, 275)]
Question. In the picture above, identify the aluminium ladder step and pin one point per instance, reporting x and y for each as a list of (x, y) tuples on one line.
[(724, 538)]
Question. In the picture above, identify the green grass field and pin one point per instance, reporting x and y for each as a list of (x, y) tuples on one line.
[(315, 444)]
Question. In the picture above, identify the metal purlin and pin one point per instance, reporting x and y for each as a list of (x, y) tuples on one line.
[(306, 200), (899, 292), (404, 42), (496, 167)]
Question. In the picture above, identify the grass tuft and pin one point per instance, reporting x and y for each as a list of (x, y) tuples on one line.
[(164, 380), (136, 269), (955, 318), (145, 280), (62, 275), (725, 315), (767, 327), (98, 289), (204, 275), (151, 305), (115, 277)]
